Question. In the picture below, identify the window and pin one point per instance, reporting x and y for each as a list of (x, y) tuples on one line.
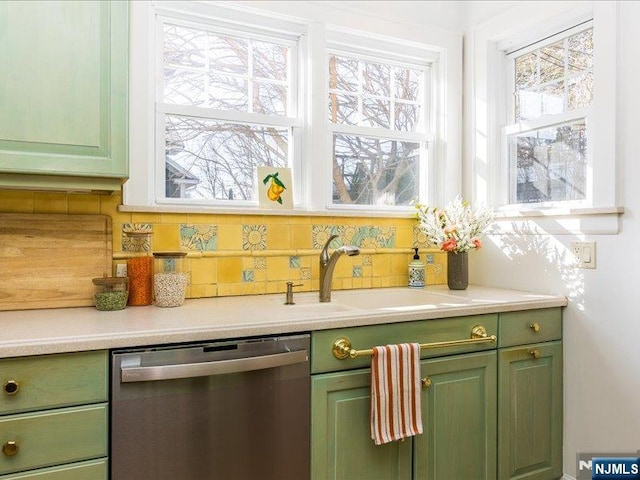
[(226, 104), (551, 87), (377, 112), (368, 121)]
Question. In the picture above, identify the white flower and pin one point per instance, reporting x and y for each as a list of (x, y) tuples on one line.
[(456, 228)]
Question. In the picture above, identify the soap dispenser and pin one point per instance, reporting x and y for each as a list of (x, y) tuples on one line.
[(416, 272)]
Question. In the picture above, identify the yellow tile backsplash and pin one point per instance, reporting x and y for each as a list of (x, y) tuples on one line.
[(256, 254)]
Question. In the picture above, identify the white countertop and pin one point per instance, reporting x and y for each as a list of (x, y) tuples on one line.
[(33, 332)]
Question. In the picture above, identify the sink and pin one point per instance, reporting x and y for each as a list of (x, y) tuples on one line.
[(397, 298), (320, 308), (307, 303)]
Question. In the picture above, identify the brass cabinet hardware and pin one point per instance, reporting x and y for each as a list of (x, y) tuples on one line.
[(535, 353), (10, 448), (11, 387), (342, 348), (535, 327), (426, 382)]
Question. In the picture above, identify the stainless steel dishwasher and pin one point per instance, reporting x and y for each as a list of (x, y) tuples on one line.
[(226, 410)]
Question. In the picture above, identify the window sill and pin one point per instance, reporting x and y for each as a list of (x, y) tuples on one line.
[(216, 210), (559, 221)]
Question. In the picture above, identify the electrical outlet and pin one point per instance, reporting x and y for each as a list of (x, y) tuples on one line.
[(585, 253)]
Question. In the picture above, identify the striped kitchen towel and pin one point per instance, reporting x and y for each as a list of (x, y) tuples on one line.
[(395, 392)]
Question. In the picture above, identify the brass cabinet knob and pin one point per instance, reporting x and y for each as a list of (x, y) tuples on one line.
[(10, 448), (535, 353), (426, 382), (535, 327), (11, 387)]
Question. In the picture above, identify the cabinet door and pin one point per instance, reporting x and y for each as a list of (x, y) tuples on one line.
[(341, 443), (63, 101), (530, 406), (459, 419)]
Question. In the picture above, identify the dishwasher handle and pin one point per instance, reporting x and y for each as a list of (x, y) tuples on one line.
[(205, 369)]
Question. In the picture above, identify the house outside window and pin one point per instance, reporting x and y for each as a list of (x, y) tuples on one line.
[(378, 121), (226, 105), (551, 94)]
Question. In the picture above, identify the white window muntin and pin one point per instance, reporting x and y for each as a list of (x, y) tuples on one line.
[(422, 136), (513, 53), (544, 121), (292, 121)]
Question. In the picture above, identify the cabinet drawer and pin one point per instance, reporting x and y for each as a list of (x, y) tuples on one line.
[(530, 326), (424, 331), (35, 383), (53, 437), (93, 470)]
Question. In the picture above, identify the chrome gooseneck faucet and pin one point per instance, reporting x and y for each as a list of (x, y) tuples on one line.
[(327, 264)]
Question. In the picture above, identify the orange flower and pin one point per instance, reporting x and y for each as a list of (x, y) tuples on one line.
[(450, 245), (477, 243)]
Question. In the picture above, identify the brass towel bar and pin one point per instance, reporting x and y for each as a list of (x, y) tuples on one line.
[(342, 348)]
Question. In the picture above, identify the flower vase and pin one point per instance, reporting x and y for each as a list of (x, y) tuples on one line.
[(457, 270)]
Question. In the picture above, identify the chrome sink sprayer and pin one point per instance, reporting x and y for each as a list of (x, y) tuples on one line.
[(328, 263)]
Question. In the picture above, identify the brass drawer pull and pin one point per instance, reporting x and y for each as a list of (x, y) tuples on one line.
[(426, 382), (342, 348), (535, 327), (10, 448), (535, 353), (11, 387)]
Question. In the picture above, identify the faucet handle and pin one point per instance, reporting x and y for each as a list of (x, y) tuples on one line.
[(289, 296)]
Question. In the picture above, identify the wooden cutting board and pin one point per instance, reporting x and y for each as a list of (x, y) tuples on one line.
[(48, 261)]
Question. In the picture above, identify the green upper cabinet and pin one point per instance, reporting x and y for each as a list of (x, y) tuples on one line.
[(63, 100)]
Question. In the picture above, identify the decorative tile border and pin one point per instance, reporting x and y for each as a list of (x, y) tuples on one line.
[(363, 237), (254, 237), (138, 243), (199, 237)]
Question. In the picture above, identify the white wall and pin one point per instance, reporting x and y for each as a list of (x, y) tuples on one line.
[(602, 321)]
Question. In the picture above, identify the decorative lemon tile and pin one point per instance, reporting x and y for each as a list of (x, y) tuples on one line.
[(84, 204), (204, 270), (254, 237), (229, 270), (357, 271), (229, 237), (16, 201), (165, 237), (294, 262), (199, 237), (45, 202)]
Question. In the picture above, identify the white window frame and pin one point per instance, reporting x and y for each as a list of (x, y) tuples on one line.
[(424, 136), (546, 121), (489, 113), (317, 26), (292, 121)]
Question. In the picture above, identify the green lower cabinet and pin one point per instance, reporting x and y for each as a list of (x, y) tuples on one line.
[(93, 470), (342, 448), (530, 412), (459, 419)]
